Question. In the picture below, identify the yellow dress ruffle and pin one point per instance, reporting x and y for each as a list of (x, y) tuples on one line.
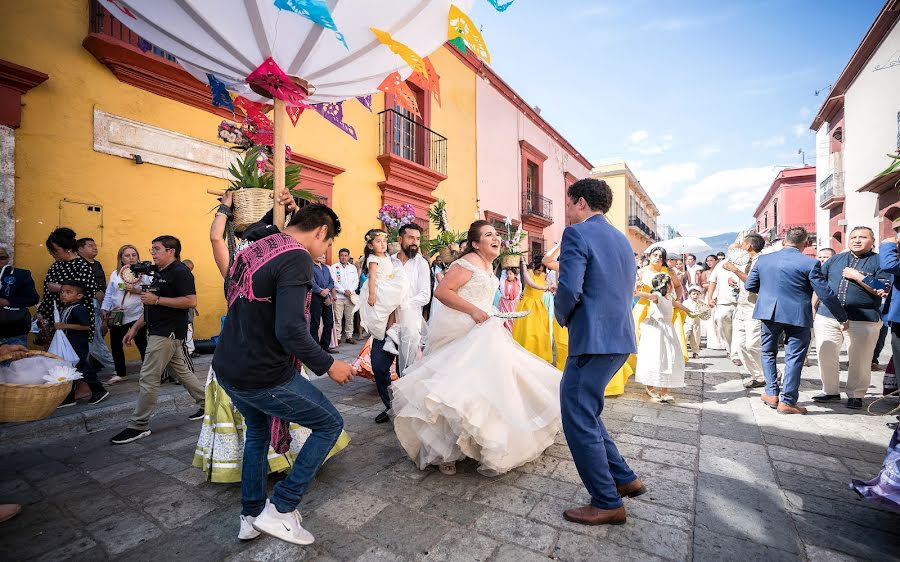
[(533, 331)]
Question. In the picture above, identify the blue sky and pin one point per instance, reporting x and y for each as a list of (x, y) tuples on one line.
[(702, 99)]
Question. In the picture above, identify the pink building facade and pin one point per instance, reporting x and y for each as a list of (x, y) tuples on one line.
[(790, 202), (524, 164)]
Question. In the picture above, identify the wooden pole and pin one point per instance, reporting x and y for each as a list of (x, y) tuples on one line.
[(278, 118)]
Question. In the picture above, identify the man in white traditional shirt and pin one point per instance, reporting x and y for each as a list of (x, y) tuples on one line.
[(692, 268), (723, 298), (747, 332), (346, 281), (418, 275)]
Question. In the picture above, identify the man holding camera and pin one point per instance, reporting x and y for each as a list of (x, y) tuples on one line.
[(166, 305)]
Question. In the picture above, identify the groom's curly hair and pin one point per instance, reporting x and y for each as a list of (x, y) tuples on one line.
[(596, 193)]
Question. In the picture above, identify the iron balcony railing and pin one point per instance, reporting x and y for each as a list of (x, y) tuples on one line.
[(402, 136), (643, 227), (537, 205), (103, 23), (832, 186)]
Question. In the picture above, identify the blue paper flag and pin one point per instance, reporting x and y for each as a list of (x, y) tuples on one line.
[(366, 101), (220, 95), (500, 7), (315, 11)]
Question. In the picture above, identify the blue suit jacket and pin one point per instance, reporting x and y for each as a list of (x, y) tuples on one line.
[(785, 281), (887, 253), (596, 283)]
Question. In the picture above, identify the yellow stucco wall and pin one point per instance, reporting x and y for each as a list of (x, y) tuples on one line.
[(55, 159)]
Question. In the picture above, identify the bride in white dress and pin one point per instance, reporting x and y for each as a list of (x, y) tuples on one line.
[(476, 392)]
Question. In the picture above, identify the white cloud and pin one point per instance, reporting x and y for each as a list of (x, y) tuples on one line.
[(771, 142), (734, 190), (638, 136), (800, 130), (805, 112), (642, 142), (659, 182), (708, 150)]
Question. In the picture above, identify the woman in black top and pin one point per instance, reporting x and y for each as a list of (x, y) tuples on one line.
[(69, 266)]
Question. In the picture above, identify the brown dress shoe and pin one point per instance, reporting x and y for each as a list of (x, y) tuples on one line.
[(590, 515), (351, 341), (771, 401), (633, 489), (788, 409)]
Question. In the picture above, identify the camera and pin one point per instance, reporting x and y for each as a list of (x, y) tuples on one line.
[(147, 268)]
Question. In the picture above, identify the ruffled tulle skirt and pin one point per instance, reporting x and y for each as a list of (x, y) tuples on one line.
[(480, 396)]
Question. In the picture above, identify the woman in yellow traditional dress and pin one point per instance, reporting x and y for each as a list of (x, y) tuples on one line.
[(560, 334), (533, 331), (644, 284), (220, 445)]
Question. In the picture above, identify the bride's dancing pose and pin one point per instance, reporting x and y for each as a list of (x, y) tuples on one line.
[(476, 393)]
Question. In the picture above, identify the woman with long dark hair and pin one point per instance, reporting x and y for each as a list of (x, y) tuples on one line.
[(476, 393)]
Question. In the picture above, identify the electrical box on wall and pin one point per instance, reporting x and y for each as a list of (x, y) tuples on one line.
[(86, 219)]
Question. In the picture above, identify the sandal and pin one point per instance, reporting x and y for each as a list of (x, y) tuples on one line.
[(448, 468), (666, 398), (651, 392)]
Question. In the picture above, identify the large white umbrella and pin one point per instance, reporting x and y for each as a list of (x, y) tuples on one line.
[(329, 46), (682, 245)]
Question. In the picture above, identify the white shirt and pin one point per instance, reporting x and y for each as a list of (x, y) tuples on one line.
[(692, 272), (346, 278), (723, 294), (116, 297), (418, 273)]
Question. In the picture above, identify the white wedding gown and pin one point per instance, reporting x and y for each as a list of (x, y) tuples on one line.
[(476, 392)]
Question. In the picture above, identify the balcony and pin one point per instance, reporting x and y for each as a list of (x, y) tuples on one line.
[(537, 210), (639, 226), (831, 191), (410, 140)]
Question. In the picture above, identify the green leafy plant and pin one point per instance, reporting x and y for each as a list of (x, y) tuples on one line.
[(246, 174), (445, 239), (894, 167)]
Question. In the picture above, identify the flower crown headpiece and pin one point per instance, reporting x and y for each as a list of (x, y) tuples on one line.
[(373, 234), (660, 280)]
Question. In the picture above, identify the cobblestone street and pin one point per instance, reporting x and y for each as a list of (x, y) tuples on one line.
[(728, 479)]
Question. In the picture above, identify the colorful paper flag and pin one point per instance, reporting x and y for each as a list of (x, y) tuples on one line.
[(395, 85), (315, 11), (429, 82), (272, 79), (408, 55), (334, 114), (294, 112), (460, 25), (220, 95), (459, 43), (250, 108), (124, 9), (501, 7), (366, 101), (144, 45)]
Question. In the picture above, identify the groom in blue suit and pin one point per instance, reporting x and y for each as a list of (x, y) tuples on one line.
[(596, 284)]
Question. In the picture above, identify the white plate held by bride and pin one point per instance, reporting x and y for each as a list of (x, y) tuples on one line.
[(515, 314)]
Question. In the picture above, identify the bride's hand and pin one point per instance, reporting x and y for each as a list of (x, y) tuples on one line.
[(479, 316)]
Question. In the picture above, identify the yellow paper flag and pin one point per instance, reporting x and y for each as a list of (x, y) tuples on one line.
[(408, 55), (460, 25)]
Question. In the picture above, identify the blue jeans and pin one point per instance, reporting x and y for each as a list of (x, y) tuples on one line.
[(295, 401), (796, 344), (599, 463)]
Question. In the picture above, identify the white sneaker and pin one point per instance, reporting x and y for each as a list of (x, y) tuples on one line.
[(247, 531), (284, 526), (392, 340)]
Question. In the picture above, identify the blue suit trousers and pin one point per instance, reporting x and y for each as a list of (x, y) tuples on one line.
[(796, 344), (596, 456)]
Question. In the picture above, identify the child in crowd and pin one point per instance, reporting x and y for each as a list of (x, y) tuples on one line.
[(75, 322), (660, 363), (510, 291), (692, 325), (383, 293), (192, 313)]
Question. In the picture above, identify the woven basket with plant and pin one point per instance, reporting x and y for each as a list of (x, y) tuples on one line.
[(447, 240), (510, 242)]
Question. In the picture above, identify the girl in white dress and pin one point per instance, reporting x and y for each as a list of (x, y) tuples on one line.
[(660, 362), (385, 290), (476, 392)]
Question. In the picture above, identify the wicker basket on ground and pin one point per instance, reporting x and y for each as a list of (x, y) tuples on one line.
[(29, 402), (250, 205)]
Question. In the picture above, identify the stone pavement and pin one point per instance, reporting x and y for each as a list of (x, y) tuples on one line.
[(728, 478)]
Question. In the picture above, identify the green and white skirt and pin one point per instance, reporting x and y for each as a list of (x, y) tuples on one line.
[(220, 448)]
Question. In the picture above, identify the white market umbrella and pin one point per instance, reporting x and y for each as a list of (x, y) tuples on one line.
[(337, 56), (682, 245)]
